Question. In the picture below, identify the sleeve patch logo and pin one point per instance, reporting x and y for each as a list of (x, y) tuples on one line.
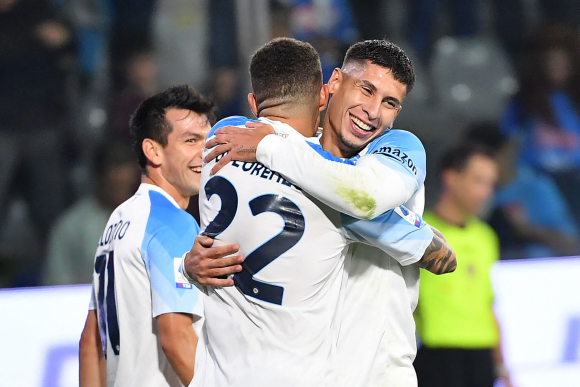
[(180, 281), (396, 154), (409, 216)]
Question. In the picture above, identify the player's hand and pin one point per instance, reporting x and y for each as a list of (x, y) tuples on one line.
[(241, 144), (205, 263)]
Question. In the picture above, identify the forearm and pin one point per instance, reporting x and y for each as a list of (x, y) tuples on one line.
[(363, 192), (92, 365), (439, 258), (179, 342)]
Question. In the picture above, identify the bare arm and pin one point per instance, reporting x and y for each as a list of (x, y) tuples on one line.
[(92, 366), (439, 258), (179, 341)]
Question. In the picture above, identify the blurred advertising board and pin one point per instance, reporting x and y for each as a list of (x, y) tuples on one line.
[(537, 303), (538, 308)]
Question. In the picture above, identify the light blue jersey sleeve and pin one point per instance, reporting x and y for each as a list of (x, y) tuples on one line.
[(401, 151), (400, 233), (388, 175), (169, 235), (229, 121)]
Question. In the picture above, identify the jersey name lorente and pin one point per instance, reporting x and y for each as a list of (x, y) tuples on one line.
[(274, 326)]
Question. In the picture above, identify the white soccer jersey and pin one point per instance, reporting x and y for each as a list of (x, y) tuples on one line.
[(274, 327), (376, 344), (137, 277), (375, 326)]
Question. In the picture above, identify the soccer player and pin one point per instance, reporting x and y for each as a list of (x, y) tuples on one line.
[(140, 325), (278, 318), (376, 344)]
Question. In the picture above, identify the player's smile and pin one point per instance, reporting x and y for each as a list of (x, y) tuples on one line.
[(196, 169), (360, 128)]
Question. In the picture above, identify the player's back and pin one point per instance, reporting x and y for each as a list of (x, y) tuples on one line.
[(273, 327), (136, 279)]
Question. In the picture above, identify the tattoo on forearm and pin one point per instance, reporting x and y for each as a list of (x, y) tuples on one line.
[(247, 150), (439, 258)]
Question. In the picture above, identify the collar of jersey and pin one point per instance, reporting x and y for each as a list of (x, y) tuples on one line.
[(146, 187), (278, 124)]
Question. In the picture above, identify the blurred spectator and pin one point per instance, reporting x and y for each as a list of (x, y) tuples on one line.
[(139, 73), (423, 15), (180, 41), (455, 320), (132, 22), (224, 59), (91, 20), (75, 235), (326, 24), (544, 114), (369, 18), (532, 218), (225, 93), (36, 55)]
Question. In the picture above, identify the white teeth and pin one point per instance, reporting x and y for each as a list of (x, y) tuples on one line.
[(361, 124), (196, 169)]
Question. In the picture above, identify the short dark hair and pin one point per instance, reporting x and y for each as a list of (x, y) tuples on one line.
[(286, 70), (149, 119), (457, 157), (385, 54)]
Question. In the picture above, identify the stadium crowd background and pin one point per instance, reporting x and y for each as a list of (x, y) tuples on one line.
[(504, 73)]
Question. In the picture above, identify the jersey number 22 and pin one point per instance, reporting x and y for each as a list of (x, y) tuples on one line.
[(267, 252)]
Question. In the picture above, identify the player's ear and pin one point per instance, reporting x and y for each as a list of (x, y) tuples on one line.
[(253, 103), (334, 81), (152, 150), (323, 101)]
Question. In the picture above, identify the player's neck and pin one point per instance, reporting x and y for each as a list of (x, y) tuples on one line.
[(302, 122), (330, 142), (159, 181), (450, 212)]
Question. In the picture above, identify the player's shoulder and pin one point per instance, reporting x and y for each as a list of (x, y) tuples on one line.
[(229, 121), (398, 139), (164, 214)]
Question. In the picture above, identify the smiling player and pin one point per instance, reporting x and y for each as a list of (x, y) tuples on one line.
[(140, 326), (376, 344), (278, 318)]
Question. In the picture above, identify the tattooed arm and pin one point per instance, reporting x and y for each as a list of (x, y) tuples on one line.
[(439, 258)]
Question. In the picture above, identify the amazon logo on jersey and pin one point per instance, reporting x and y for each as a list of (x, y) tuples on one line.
[(397, 154)]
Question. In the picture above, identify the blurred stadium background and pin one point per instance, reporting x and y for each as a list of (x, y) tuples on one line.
[(73, 71)]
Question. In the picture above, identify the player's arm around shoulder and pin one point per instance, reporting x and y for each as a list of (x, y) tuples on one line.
[(439, 257), (92, 366)]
